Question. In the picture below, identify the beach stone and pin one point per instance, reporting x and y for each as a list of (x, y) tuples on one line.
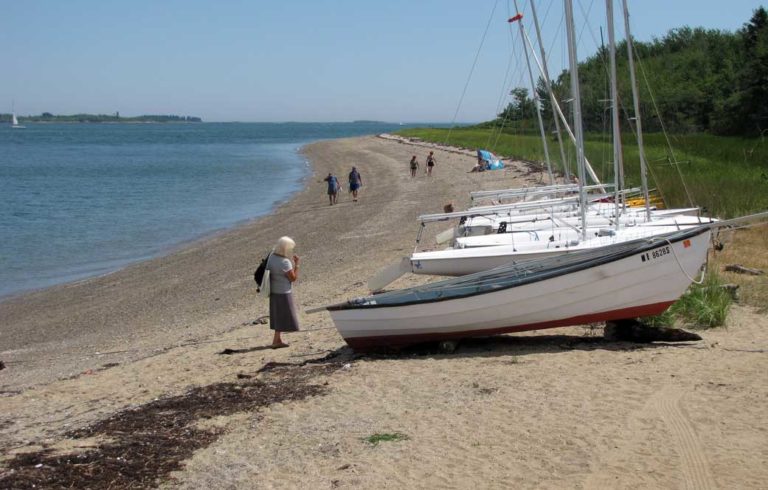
[(632, 330), (733, 290), (448, 346)]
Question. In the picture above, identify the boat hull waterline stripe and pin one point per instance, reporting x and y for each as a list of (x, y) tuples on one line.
[(363, 343)]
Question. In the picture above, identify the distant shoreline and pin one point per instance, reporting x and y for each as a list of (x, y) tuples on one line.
[(47, 117), (109, 122)]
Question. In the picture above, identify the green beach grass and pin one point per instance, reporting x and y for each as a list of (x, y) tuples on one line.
[(728, 176), (375, 439), (703, 306)]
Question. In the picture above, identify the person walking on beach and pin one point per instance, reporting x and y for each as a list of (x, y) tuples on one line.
[(333, 188), (430, 163), (355, 182), (282, 272), (414, 166)]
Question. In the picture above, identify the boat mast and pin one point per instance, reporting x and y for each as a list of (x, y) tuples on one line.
[(559, 112), (577, 122), (638, 121), (548, 84), (618, 164), (537, 103)]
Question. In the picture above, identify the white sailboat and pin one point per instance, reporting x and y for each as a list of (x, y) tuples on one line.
[(638, 278), (566, 237), (597, 282), (15, 122), (570, 228), (470, 260)]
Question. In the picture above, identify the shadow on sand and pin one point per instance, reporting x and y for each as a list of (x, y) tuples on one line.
[(507, 345)]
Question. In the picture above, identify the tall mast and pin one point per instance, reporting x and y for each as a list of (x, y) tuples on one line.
[(618, 164), (519, 18), (638, 119), (577, 122), (564, 120), (548, 84)]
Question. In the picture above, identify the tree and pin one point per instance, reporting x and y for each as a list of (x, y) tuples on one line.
[(521, 107), (753, 87)]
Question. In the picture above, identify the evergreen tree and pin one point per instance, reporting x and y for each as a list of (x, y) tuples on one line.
[(753, 86)]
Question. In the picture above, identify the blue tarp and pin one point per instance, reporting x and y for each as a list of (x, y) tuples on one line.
[(490, 161)]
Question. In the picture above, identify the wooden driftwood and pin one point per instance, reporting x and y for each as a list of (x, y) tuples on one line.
[(743, 270), (634, 331)]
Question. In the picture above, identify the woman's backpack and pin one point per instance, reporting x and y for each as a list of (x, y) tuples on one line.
[(260, 272)]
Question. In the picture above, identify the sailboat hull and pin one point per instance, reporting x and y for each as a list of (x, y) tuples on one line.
[(641, 283), (462, 261)]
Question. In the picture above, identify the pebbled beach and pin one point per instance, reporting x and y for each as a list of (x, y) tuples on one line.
[(552, 409)]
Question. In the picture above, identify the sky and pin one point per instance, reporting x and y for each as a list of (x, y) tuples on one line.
[(300, 60)]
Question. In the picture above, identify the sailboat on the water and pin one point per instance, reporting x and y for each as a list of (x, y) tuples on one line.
[(15, 122)]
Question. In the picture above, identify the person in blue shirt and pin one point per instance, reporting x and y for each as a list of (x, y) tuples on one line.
[(333, 188), (355, 182)]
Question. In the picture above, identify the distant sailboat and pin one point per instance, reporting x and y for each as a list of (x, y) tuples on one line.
[(15, 122)]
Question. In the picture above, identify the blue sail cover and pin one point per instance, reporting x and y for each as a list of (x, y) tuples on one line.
[(490, 161)]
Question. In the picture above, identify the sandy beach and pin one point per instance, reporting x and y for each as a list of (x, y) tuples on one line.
[(560, 408)]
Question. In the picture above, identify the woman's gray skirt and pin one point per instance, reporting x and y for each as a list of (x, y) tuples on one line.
[(282, 313)]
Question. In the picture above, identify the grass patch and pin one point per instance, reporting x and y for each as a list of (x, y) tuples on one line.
[(666, 319), (702, 307), (375, 439)]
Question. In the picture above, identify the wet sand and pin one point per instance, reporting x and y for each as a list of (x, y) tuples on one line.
[(552, 409)]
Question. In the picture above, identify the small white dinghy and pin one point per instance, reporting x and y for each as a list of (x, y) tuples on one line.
[(633, 279)]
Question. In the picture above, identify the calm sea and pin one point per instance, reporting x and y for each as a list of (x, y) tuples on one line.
[(79, 200)]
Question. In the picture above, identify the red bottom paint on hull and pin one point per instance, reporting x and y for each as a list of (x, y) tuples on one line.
[(369, 343)]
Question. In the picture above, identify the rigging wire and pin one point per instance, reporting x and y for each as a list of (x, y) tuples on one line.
[(471, 71), (586, 22), (502, 94), (498, 130), (500, 101), (557, 37), (663, 129)]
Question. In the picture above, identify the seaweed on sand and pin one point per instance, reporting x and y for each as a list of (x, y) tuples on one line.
[(143, 445)]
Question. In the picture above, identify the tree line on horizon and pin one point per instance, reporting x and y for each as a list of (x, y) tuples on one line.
[(100, 118), (690, 80)]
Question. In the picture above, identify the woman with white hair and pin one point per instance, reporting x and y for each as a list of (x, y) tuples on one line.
[(282, 272)]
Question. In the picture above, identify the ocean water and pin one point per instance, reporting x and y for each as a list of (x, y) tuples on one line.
[(79, 200)]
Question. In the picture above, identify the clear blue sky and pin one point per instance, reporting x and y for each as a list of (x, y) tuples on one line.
[(293, 60)]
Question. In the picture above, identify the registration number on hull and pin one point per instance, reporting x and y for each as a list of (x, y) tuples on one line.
[(656, 254)]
